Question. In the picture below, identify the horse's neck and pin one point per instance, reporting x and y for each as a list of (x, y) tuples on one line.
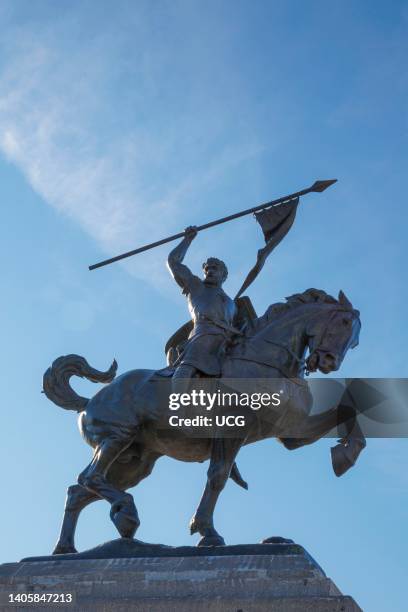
[(290, 332), (284, 338)]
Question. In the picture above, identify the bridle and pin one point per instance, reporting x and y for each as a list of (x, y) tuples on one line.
[(303, 363), (320, 346)]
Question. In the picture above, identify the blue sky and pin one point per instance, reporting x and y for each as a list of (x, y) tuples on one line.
[(122, 122)]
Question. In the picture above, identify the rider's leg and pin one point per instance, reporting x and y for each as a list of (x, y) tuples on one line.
[(181, 378)]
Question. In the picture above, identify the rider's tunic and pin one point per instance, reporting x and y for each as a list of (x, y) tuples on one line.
[(212, 313)]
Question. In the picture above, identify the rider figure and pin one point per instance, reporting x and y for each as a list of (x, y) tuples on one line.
[(212, 312)]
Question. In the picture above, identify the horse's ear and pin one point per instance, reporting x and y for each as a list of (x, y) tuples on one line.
[(344, 301)]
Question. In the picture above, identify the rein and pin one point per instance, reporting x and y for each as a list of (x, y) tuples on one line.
[(320, 346), (303, 363)]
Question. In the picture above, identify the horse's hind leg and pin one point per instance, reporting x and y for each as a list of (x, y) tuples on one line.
[(77, 498), (123, 511), (128, 474)]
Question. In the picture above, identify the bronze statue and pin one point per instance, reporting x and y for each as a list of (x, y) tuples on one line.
[(127, 422)]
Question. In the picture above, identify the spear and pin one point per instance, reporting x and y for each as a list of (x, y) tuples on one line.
[(317, 187)]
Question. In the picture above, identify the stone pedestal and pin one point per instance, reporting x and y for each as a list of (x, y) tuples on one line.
[(245, 578)]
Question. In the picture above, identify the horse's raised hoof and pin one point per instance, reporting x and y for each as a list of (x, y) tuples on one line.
[(63, 550), (344, 456), (215, 540), (340, 461), (124, 516)]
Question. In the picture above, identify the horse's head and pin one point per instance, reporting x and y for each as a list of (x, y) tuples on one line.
[(331, 334)]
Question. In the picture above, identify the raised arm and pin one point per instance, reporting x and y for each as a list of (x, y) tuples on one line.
[(181, 273)]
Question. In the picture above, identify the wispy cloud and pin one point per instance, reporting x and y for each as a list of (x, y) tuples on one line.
[(90, 120)]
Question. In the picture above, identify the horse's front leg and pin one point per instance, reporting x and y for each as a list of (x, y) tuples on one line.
[(345, 454), (223, 455)]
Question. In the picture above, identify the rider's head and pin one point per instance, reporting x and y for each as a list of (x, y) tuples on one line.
[(215, 271)]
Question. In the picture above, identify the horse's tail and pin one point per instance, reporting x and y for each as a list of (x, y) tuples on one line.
[(56, 380)]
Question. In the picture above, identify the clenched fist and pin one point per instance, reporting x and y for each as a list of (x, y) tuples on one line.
[(191, 232)]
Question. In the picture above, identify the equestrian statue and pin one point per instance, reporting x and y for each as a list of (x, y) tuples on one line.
[(127, 421)]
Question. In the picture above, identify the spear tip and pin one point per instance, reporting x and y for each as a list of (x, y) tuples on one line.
[(320, 186)]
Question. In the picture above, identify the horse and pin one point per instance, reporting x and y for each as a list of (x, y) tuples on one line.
[(123, 422)]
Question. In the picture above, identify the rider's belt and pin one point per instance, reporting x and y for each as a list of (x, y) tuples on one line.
[(228, 328)]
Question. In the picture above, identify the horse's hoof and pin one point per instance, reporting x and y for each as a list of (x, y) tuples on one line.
[(124, 516), (345, 456), (126, 525), (63, 550), (340, 462), (215, 540)]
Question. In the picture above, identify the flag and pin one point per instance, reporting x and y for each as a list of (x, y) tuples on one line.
[(275, 222)]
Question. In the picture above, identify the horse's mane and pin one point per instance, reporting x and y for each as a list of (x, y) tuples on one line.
[(310, 296)]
